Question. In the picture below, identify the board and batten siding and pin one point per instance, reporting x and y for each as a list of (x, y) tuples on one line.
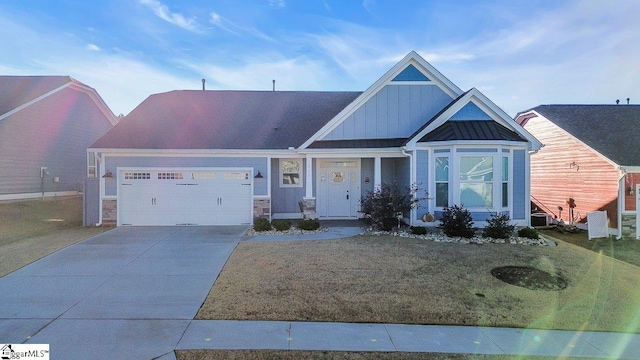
[(112, 163), (565, 168), (396, 111), (54, 132)]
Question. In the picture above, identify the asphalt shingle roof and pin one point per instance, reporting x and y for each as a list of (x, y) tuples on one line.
[(197, 119), (611, 130), (19, 90)]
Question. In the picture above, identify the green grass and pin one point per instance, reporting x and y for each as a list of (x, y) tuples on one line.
[(31, 218), (627, 250)]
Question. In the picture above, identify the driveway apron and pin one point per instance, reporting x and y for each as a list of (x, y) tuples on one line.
[(126, 293)]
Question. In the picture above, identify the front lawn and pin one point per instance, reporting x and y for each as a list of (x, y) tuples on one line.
[(627, 250), (400, 280)]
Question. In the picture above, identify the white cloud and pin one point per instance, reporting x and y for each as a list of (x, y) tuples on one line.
[(163, 12), (278, 3), (232, 28), (93, 47)]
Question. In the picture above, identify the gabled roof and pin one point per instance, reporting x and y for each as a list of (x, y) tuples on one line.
[(405, 70), (19, 92), (500, 127), (611, 130), (213, 119)]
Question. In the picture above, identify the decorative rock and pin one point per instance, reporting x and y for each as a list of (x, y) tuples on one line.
[(291, 231), (438, 236)]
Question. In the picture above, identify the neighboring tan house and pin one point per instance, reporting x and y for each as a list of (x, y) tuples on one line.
[(46, 125), (226, 157), (590, 154)]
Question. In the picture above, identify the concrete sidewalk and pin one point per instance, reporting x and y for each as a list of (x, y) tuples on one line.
[(285, 335)]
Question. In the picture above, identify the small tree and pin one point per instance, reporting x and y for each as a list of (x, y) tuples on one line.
[(457, 221), (387, 204), (498, 227)]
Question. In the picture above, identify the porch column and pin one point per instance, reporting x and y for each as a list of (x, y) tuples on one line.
[(309, 177), (377, 173)]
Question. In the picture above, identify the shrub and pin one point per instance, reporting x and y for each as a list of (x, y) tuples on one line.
[(528, 232), (309, 224), (498, 227), (418, 230), (457, 221), (261, 224), (281, 225), (389, 203)]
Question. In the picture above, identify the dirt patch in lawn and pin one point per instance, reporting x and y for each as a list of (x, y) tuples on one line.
[(397, 280), (529, 278)]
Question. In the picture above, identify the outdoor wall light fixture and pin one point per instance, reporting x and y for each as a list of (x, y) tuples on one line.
[(573, 165), (630, 190), (107, 174), (258, 175)]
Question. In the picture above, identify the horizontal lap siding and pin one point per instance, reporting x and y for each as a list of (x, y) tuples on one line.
[(54, 132), (593, 184)]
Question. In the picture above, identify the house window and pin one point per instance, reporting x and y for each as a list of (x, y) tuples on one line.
[(505, 182), (442, 181), (92, 165), (476, 181), (290, 172)]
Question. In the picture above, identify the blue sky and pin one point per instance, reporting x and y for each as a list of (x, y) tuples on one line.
[(518, 53)]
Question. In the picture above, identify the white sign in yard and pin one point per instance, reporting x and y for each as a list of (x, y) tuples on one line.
[(24, 351), (597, 224)]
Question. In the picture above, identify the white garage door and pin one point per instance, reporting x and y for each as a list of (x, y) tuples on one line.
[(179, 197)]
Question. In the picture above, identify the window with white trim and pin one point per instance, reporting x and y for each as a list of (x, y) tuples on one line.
[(505, 182), (442, 181), (290, 172), (476, 181), (92, 165)]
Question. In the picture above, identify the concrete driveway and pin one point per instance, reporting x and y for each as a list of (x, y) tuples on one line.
[(125, 293)]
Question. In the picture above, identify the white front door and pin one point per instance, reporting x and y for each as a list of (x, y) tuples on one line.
[(338, 188)]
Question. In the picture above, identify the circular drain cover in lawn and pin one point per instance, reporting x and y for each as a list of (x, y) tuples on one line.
[(530, 278)]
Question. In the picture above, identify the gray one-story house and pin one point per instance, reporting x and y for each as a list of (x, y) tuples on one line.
[(226, 157), (46, 125)]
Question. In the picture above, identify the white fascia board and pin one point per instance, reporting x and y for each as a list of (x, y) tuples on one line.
[(412, 58), (29, 103), (97, 99), (353, 153), (461, 144), (503, 118), (196, 152), (630, 169)]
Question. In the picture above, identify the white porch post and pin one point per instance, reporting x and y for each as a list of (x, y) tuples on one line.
[(309, 177), (377, 173)]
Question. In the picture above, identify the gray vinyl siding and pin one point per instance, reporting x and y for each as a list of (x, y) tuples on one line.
[(396, 111), (367, 165), (519, 184), (422, 180), (285, 199), (91, 202), (112, 163), (54, 132)]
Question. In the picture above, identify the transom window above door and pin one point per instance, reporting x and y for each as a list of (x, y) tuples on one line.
[(290, 172)]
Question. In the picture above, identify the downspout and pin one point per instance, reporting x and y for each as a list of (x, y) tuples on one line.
[(100, 161), (621, 200)]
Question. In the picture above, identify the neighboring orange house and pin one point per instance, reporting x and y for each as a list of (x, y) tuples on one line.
[(590, 154)]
